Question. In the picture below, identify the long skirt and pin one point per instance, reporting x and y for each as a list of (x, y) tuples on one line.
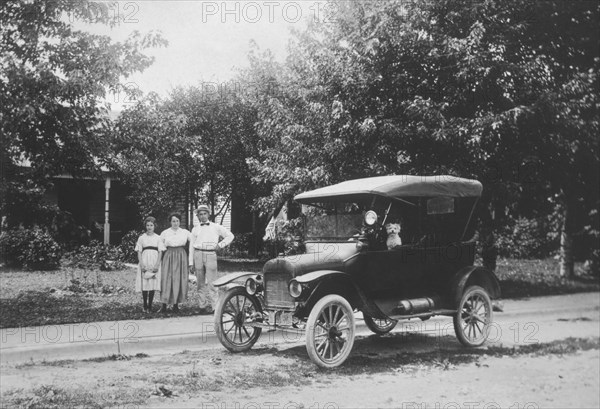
[(174, 280)]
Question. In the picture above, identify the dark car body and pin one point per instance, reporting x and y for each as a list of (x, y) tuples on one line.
[(426, 275)]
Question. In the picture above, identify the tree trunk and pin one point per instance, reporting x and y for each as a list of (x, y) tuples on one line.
[(593, 266), (566, 243), (595, 263), (254, 234), (188, 208), (211, 199), (489, 251)]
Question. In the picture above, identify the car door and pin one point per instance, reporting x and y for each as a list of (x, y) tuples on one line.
[(393, 272)]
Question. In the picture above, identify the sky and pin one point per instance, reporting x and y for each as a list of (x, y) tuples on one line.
[(207, 39)]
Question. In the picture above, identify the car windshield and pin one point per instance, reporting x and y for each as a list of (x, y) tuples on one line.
[(333, 220)]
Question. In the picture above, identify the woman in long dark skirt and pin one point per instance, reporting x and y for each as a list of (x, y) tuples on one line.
[(175, 265)]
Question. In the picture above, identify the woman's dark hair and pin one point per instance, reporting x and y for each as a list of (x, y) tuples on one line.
[(175, 214), (149, 219)]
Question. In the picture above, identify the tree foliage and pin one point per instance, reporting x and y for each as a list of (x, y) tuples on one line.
[(147, 152), (504, 92), (54, 80), (188, 146)]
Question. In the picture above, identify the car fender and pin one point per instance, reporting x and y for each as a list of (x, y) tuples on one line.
[(356, 297), (233, 278), (318, 275), (475, 275)]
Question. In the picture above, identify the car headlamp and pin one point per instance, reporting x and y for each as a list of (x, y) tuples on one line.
[(295, 288), (370, 218), (251, 286)]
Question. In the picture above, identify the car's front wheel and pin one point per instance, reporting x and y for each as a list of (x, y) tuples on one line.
[(234, 311), (474, 316), (379, 326), (330, 331)]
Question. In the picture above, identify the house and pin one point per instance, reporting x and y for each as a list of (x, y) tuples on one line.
[(99, 204)]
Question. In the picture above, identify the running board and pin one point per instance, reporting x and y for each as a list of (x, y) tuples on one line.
[(398, 317), (270, 327)]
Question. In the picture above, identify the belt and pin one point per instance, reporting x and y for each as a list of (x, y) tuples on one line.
[(205, 251), (149, 248)]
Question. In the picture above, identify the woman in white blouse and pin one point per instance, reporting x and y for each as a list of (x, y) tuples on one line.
[(174, 267)]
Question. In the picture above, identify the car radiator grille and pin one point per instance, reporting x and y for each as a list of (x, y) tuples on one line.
[(276, 291)]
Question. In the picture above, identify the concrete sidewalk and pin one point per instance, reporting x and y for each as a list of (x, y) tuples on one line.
[(96, 339), (174, 334), (93, 339)]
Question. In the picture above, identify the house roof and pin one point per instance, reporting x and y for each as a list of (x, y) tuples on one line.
[(396, 186)]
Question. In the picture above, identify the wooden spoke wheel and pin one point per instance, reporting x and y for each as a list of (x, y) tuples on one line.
[(232, 315), (379, 326), (330, 331), (474, 316)]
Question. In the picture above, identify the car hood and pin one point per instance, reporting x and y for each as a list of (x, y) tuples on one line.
[(319, 256)]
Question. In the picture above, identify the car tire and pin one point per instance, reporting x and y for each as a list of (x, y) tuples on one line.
[(330, 331), (379, 326), (473, 317), (233, 309)]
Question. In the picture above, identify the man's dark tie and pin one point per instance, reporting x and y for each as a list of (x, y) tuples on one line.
[(204, 224)]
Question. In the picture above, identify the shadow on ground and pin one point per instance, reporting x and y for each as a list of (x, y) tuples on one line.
[(403, 352)]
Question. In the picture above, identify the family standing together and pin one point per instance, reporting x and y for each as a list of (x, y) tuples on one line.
[(165, 261)]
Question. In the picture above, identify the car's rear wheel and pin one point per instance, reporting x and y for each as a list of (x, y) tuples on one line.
[(474, 316), (234, 310), (330, 331), (379, 326)]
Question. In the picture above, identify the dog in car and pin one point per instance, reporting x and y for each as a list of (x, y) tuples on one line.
[(393, 235)]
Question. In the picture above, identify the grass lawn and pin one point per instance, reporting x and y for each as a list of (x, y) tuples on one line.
[(27, 297), (531, 278)]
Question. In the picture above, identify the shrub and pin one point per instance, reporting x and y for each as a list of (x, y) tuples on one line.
[(67, 232), (12, 244), (95, 256), (30, 248), (242, 246), (127, 246), (24, 205), (527, 238), (288, 239)]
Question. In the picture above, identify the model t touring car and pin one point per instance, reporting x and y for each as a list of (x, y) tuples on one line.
[(391, 247)]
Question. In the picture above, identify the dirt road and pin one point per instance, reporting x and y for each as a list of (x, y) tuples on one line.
[(545, 353)]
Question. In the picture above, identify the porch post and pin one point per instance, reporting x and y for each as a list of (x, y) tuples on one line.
[(106, 212)]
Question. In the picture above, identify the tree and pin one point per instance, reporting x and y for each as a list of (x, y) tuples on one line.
[(54, 80), (148, 150), (454, 87), (221, 128), (185, 147)]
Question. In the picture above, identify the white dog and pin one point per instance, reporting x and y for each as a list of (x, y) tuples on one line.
[(393, 232)]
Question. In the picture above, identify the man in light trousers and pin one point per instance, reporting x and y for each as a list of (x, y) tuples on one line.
[(207, 238)]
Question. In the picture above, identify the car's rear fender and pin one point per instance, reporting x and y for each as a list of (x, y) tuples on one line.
[(325, 282), (474, 275)]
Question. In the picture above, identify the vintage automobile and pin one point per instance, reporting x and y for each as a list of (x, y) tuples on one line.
[(348, 267)]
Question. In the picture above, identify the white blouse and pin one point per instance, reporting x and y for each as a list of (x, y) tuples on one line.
[(146, 240), (175, 238)]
